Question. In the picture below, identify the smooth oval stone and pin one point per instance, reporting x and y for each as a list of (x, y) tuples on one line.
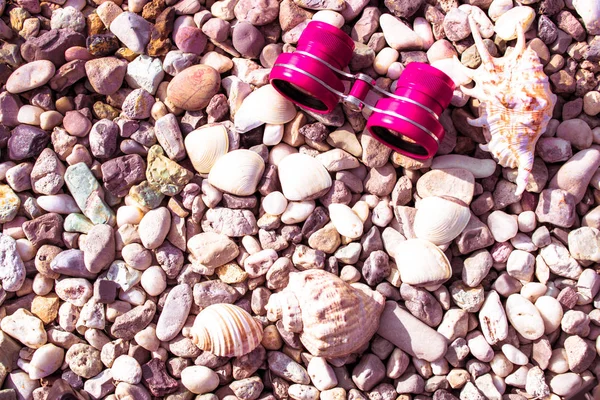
[(174, 313), (132, 30), (524, 317), (30, 76), (193, 87), (410, 334)]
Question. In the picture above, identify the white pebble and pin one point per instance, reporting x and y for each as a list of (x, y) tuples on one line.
[(346, 222), (129, 215), (154, 280), (384, 59), (551, 312), (126, 369), (330, 17), (273, 133), (514, 355), (526, 221), (524, 317), (199, 380), (58, 203), (297, 211), (274, 203), (321, 374), (502, 225)]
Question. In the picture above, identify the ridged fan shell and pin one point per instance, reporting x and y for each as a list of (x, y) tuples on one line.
[(333, 318), (205, 145), (516, 103), (303, 177), (440, 219), (263, 106), (226, 330), (421, 263), (237, 172)]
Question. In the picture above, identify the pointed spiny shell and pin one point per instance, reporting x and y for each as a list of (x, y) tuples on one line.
[(440, 219), (421, 263), (303, 177), (516, 103), (205, 145), (333, 318), (237, 172), (264, 105), (226, 331)]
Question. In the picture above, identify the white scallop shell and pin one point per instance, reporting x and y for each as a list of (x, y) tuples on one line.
[(440, 219), (205, 145), (302, 177), (421, 263), (237, 172), (263, 106), (226, 330)]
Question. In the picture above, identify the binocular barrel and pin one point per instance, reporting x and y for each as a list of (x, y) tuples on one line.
[(406, 120)]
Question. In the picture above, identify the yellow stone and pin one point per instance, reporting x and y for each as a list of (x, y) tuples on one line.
[(45, 307), (9, 204), (271, 338), (231, 273)]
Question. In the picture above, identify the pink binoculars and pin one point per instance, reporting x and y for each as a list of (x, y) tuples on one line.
[(406, 121)]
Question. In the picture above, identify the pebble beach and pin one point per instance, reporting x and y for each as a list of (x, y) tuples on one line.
[(171, 227)]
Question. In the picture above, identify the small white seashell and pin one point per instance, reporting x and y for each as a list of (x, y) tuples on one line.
[(264, 105), (303, 177), (226, 331), (58, 203), (205, 145), (273, 134), (506, 25), (421, 263), (440, 219), (346, 222), (330, 17), (45, 361), (237, 172)]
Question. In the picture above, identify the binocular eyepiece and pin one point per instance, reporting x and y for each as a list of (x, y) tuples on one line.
[(406, 120)]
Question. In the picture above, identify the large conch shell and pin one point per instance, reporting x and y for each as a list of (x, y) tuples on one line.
[(226, 330), (333, 319), (303, 177), (421, 263), (263, 106), (237, 172), (516, 103), (440, 219)]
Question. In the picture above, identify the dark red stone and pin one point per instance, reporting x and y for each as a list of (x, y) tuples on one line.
[(156, 378)]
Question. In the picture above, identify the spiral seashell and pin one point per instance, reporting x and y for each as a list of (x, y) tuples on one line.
[(516, 103), (332, 318), (226, 331), (440, 219), (237, 172), (303, 177), (205, 145), (263, 106), (421, 263)]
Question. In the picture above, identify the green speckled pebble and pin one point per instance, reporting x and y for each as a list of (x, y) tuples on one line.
[(77, 223), (146, 195), (9, 204), (86, 191), (164, 173)]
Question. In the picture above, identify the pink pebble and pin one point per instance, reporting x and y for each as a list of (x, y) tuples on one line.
[(76, 123), (77, 53), (190, 40)]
